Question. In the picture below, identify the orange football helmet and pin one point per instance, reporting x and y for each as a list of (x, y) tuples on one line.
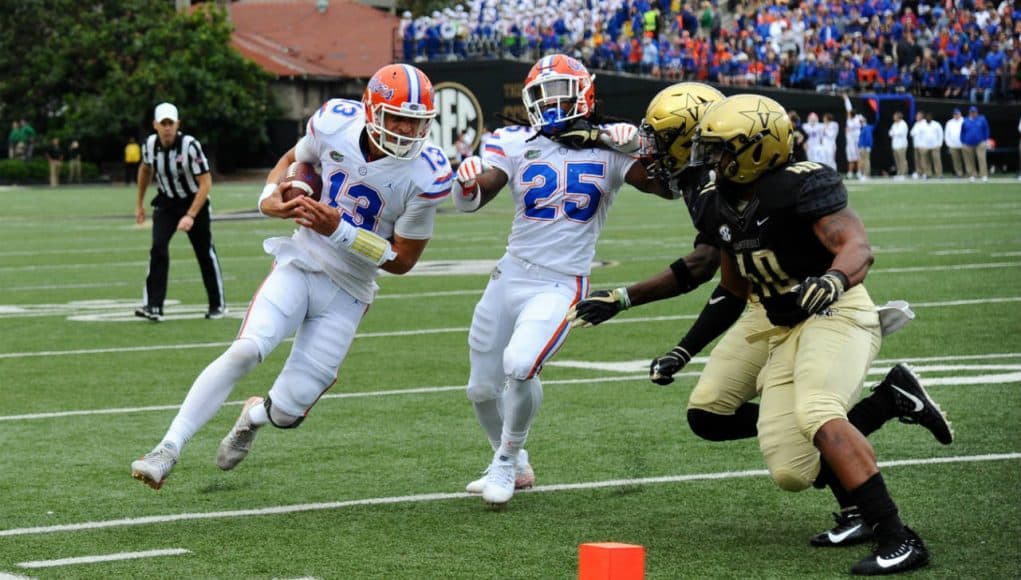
[(396, 95), (558, 89)]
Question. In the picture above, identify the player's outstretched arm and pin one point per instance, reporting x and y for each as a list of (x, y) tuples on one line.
[(476, 184), (721, 311), (643, 181), (681, 277)]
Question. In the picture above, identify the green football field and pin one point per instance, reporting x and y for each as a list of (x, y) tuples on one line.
[(371, 485)]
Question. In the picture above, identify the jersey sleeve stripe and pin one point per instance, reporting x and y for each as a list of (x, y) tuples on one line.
[(435, 194), (495, 149), (446, 178)]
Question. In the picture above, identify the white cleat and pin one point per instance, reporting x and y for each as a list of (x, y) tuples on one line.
[(524, 477), (153, 468), (236, 445), (499, 487)]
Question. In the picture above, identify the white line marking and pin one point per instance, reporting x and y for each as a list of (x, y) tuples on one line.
[(428, 497), (627, 366), (427, 331), (8, 576), (104, 558)]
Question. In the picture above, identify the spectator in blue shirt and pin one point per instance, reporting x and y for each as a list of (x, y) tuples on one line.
[(865, 150), (974, 140), (985, 84)]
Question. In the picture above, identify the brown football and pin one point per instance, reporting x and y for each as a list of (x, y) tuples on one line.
[(305, 180)]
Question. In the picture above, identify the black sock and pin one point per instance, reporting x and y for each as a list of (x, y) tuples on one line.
[(871, 412), (829, 479), (877, 507)]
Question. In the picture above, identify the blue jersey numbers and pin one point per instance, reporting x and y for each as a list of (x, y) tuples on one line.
[(581, 196), (365, 201)]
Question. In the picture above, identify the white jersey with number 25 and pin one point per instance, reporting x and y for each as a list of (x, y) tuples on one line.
[(561, 196)]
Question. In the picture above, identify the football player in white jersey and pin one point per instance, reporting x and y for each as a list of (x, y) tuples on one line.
[(382, 181), (562, 192), (830, 131)]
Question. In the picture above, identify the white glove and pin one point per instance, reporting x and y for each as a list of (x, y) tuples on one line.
[(623, 137), (467, 172)]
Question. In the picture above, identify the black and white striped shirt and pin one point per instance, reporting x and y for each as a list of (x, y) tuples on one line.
[(177, 168)]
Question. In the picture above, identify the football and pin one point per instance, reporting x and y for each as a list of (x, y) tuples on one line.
[(305, 180)]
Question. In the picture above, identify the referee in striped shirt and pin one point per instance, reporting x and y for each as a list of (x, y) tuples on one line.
[(181, 204)]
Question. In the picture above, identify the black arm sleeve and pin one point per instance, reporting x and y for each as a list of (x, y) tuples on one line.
[(722, 311), (685, 280)]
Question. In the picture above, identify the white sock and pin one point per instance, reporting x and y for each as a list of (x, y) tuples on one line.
[(210, 390), (258, 415), (521, 402), (491, 419)]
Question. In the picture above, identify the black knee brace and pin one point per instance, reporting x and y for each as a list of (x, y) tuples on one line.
[(714, 427)]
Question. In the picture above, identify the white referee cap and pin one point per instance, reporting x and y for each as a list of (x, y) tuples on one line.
[(165, 111)]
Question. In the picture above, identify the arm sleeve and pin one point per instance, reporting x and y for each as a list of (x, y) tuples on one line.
[(720, 313), (305, 150)]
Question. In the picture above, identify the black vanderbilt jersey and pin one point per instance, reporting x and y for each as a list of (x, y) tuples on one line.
[(771, 238)]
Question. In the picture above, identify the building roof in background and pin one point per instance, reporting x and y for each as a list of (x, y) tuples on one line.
[(292, 38)]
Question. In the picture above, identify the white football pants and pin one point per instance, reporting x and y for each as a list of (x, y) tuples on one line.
[(323, 319)]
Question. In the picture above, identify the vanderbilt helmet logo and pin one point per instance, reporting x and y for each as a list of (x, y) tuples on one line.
[(765, 117), (457, 111)]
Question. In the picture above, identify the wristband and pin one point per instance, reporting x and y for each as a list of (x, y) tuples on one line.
[(841, 277)]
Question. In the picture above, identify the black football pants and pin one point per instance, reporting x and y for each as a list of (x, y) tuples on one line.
[(164, 225)]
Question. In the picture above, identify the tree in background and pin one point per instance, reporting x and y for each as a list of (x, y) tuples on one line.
[(94, 70)]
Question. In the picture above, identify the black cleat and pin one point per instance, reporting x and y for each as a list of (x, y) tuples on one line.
[(153, 313), (216, 313), (851, 529), (898, 554), (914, 405)]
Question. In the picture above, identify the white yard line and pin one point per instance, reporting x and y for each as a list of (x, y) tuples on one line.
[(103, 558), (430, 497), (428, 331), (882, 367)]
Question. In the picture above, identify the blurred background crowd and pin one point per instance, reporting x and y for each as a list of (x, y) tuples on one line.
[(962, 49)]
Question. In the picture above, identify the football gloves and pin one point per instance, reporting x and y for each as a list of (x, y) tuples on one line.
[(579, 134), (663, 368), (600, 306), (467, 173), (816, 294), (623, 137)]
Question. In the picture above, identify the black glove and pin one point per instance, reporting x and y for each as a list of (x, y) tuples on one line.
[(663, 368), (816, 294), (600, 306), (580, 134)]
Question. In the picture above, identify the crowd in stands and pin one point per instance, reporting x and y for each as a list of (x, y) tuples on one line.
[(965, 49)]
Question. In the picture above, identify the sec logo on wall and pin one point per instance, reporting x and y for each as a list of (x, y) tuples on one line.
[(457, 110)]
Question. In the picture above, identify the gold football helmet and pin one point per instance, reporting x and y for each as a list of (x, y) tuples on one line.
[(670, 123), (743, 137)]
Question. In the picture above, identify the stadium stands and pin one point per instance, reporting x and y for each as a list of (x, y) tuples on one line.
[(966, 49)]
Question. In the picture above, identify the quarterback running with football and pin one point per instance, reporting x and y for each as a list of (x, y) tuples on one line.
[(563, 182), (383, 181), (720, 408)]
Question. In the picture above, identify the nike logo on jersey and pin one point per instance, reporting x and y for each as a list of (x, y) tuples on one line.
[(762, 221), (890, 562), (919, 405), (716, 299), (837, 538)]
